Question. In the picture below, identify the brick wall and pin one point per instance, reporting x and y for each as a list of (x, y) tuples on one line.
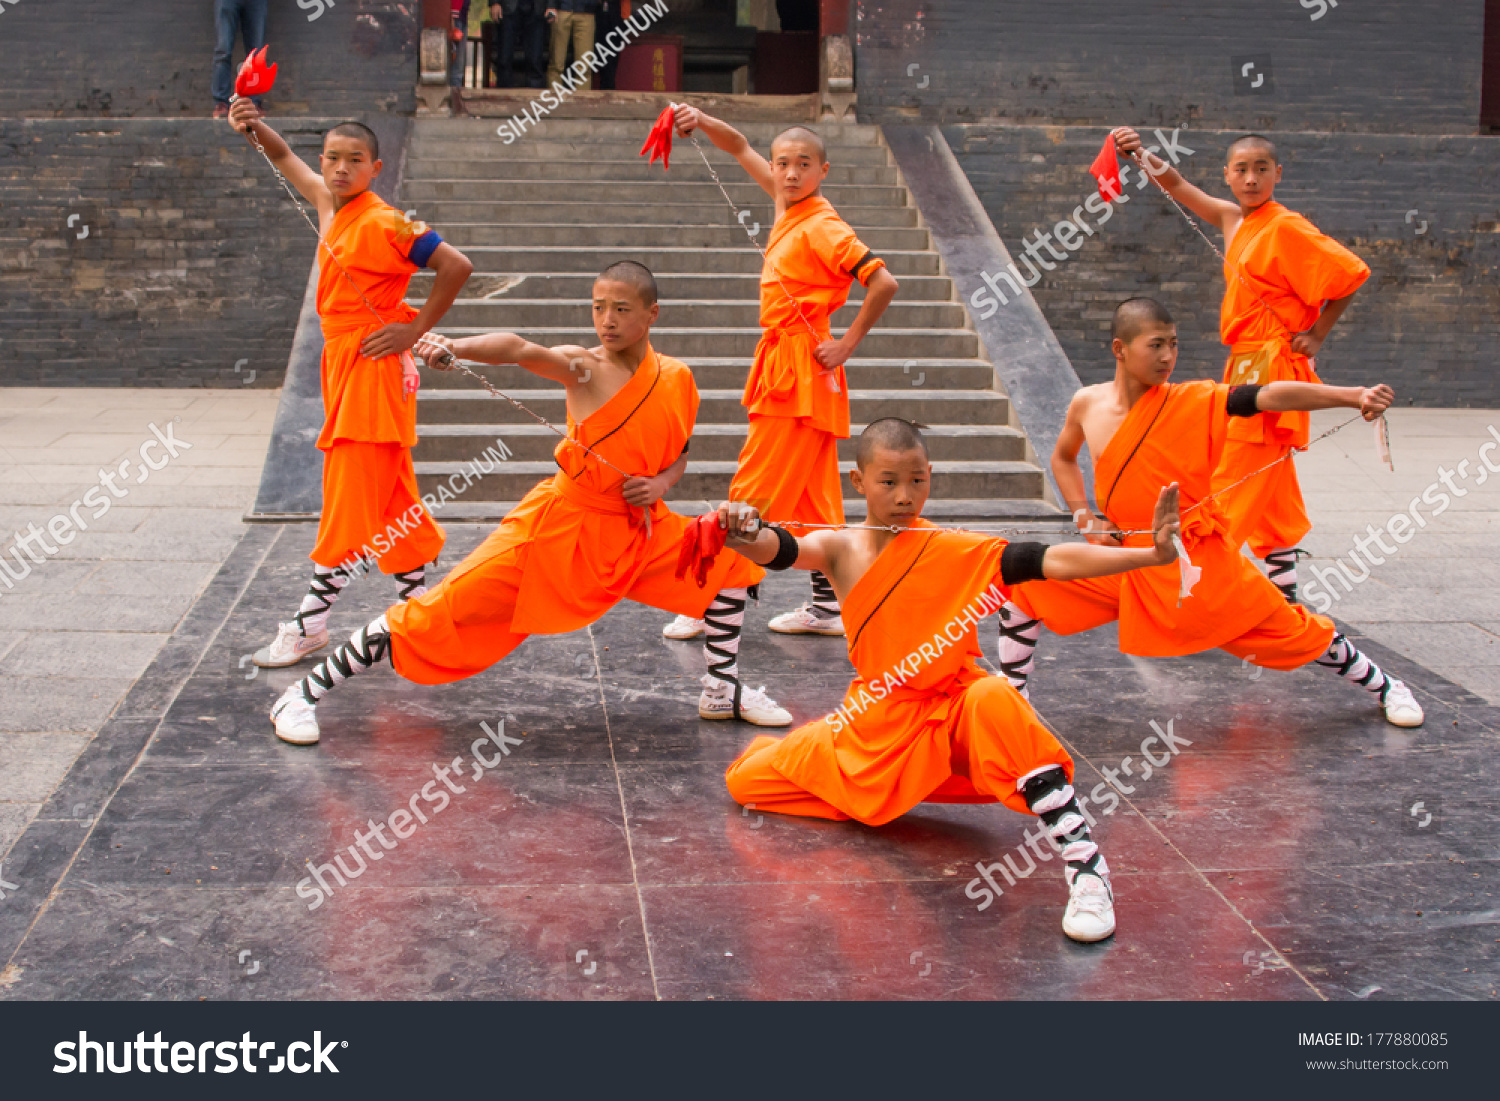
[(1374, 65), (96, 58), (1427, 321), (194, 258)]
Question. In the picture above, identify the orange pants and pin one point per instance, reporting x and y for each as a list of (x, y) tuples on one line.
[(371, 506), (994, 736), (790, 471), (1267, 510), (1288, 638)]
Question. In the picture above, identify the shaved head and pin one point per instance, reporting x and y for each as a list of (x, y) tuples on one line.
[(637, 276), (1251, 141), (360, 131), (889, 434), (1134, 314), (802, 134)]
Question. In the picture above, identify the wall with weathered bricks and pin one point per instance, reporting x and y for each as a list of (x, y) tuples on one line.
[(1422, 211), (94, 58), (1375, 65), (185, 258)]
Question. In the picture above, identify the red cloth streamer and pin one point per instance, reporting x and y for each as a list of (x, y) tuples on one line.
[(702, 540), (659, 142), (254, 78), (1106, 169)]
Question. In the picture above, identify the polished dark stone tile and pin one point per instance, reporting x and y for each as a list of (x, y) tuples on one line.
[(920, 940), (478, 942)]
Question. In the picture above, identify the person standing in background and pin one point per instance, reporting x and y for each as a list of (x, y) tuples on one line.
[(572, 20), (249, 18), (458, 38), (519, 19), (612, 16)]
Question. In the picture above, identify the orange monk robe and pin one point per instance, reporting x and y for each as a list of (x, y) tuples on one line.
[(369, 485), (1294, 269), (789, 466), (922, 721), (572, 549), (1176, 433)]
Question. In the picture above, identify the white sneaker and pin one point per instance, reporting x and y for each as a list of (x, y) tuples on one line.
[(684, 626), (296, 720), (805, 621), (1090, 915), (290, 647), (717, 702), (1401, 707)]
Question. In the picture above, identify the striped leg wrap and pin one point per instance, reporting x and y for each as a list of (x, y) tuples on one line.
[(721, 637), (1018, 639), (1345, 660), (327, 583), (1051, 798), (412, 583), (825, 601), (369, 645), (1281, 567)]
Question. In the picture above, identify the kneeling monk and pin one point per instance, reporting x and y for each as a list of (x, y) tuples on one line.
[(581, 541), (922, 721)]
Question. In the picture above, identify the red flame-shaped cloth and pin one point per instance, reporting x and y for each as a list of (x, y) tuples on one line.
[(254, 78), (702, 540), (659, 142), (1106, 169)]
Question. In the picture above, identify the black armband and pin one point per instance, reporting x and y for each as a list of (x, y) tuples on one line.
[(1241, 400), (1021, 562), (786, 555)]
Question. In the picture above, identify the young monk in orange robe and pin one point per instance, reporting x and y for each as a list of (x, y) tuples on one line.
[(581, 541), (922, 721), (1285, 284), (1144, 431), (797, 393), (371, 507)]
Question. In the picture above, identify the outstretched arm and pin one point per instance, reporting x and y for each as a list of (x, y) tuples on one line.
[(1074, 561), (726, 137), (815, 551), (1284, 397), (878, 295), (566, 364), (1218, 212), (245, 117)]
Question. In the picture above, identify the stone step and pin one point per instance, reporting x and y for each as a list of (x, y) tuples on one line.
[(728, 236), (729, 372), (531, 442), (585, 214), (739, 257), (473, 182), (710, 480), (688, 343), (513, 314), (949, 407), (625, 131), (674, 288), (598, 161)]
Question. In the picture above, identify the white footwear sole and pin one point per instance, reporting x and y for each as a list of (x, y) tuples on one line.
[(799, 628), (262, 657), (683, 628), (753, 716)]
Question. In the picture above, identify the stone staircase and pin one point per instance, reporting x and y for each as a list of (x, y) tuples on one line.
[(541, 217)]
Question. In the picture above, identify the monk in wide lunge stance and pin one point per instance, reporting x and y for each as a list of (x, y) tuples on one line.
[(1285, 285), (581, 541), (372, 512), (797, 393), (922, 722), (1143, 430)]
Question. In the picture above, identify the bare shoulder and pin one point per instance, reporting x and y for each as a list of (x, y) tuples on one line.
[(1088, 398)]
